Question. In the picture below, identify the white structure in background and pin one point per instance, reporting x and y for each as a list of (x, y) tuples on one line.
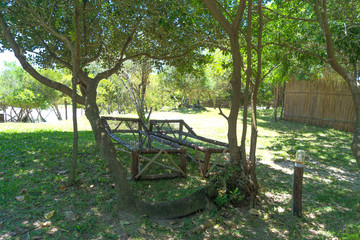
[(48, 114)]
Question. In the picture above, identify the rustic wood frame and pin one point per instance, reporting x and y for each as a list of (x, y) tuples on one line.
[(185, 131), (145, 147)]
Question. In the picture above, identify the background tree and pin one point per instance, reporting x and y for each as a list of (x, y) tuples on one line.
[(20, 90), (111, 32), (135, 78), (217, 74), (327, 32)]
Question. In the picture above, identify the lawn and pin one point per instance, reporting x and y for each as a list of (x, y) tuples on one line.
[(35, 202)]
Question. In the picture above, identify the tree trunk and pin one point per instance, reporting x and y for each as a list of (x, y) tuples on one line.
[(276, 101), (75, 55), (57, 111), (235, 101), (350, 80), (40, 117)]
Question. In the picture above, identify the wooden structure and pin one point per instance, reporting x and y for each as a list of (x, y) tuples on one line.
[(179, 132), (320, 102), (139, 143)]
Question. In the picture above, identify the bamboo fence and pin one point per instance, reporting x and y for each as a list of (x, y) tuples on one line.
[(325, 102)]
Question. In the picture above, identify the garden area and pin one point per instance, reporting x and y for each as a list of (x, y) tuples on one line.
[(179, 119), (37, 203)]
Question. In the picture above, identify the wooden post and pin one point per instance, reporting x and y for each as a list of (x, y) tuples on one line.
[(206, 162), (297, 183), (134, 163), (180, 129), (66, 115)]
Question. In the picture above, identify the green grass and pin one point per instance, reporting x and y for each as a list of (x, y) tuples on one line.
[(35, 159)]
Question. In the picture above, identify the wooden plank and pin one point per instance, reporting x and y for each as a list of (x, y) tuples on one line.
[(216, 162), (183, 160), (159, 176), (172, 161), (149, 163), (181, 142), (134, 163), (208, 140), (155, 162), (128, 146), (188, 128), (206, 162)]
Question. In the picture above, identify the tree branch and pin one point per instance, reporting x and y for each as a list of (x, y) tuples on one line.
[(239, 15), (218, 15), (52, 53), (52, 31), (288, 17), (117, 66), (274, 67), (222, 114), (330, 50), (27, 67), (298, 50), (96, 56), (225, 10)]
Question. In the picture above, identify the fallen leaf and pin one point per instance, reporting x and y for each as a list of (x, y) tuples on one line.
[(20, 198), (62, 188), (142, 231), (23, 191), (124, 223), (62, 172), (49, 214), (46, 224)]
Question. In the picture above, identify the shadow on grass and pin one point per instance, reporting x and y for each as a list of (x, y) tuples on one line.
[(34, 165), (331, 190), (191, 110)]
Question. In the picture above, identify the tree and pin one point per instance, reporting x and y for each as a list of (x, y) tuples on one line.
[(217, 73), (135, 78), (327, 31), (73, 34), (20, 90), (231, 19), (185, 85)]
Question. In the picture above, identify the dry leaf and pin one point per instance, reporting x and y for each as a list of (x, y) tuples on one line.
[(49, 214), (23, 191), (20, 198), (62, 188), (142, 231), (46, 224)]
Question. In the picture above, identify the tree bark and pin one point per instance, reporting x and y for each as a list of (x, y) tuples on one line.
[(75, 55)]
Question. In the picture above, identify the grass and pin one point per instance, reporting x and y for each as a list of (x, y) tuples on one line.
[(35, 159)]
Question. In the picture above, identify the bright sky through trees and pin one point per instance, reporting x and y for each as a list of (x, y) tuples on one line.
[(7, 57)]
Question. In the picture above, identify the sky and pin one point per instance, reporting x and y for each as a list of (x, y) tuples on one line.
[(7, 57)]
